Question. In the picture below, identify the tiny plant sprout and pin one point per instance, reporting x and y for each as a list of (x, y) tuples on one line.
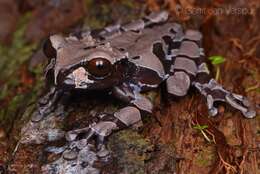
[(201, 128), (216, 61)]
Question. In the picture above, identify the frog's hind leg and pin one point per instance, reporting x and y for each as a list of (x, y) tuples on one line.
[(189, 68), (211, 90), (214, 92), (106, 124), (183, 53), (137, 25)]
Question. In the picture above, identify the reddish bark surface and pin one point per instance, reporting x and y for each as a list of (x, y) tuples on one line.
[(168, 141)]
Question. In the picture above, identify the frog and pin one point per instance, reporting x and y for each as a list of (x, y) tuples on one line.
[(127, 61)]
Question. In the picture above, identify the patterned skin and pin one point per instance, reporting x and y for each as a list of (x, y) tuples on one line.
[(127, 60)]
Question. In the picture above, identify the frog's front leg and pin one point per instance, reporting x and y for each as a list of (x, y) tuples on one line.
[(106, 125), (100, 130), (121, 119), (47, 104)]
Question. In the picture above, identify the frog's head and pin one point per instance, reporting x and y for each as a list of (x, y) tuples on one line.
[(85, 63)]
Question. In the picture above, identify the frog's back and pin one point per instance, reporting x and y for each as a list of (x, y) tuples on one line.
[(158, 48), (147, 48)]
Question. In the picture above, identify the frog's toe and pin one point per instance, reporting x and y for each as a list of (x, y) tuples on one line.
[(100, 131), (70, 154), (216, 93), (100, 142), (93, 132), (236, 101), (241, 103), (37, 116), (74, 134), (213, 111)]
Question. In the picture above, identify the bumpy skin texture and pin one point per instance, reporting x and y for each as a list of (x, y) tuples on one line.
[(125, 61)]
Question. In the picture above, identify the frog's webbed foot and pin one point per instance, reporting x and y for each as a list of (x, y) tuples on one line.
[(215, 92), (47, 104), (96, 131), (76, 156), (241, 103), (107, 124), (73, 150)]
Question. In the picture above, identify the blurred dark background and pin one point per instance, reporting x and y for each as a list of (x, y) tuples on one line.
[(230, 28)]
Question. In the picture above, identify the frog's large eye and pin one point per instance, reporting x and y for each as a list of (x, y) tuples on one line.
[(99, 67)]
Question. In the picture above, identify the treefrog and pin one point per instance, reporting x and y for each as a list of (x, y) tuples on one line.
[(127, 61)]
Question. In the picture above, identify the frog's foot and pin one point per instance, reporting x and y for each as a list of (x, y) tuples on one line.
[(80, 138), (78, 155), (215, 92), (75, 148), (107, 124), (97, 131)]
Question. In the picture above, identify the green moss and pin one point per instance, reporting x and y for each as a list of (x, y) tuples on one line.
[(136, 139), (3, 92), (16, 54), (93, 11), (205, 157), (132, 149), (13, 57), (129, 4), (152, 95), (99, 15)]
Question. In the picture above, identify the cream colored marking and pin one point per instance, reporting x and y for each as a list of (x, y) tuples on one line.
[(81, 75)]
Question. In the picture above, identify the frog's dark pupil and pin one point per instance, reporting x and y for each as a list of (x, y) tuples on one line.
[(99, 67), (99, 64)]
